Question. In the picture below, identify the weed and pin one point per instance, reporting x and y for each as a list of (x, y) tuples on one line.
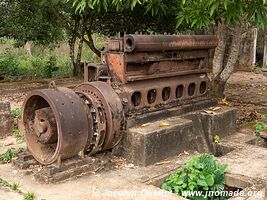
[(244, 122), (259, 139), (15, 186), (216, 139), (18, 136), (16, 113), (29, 196), (264, 116), (201, 173), (4, 183), (10, 154), (259, 127)]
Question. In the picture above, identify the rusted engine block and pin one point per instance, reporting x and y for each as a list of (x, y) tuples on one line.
[(138, 74)]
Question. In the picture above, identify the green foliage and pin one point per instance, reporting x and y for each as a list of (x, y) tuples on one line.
[(29, 196), (18, 136), (200, 14), (29, 20), (4, 183), (43, 63), (16, 113), (244, 122), (216, 139), (201, 173), (10, 154), (15, 186), (259, 127)]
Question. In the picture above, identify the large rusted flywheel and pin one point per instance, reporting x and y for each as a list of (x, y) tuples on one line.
[(60, 122), (56, 124)]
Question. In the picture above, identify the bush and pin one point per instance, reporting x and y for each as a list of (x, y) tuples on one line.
[(201, 173), (16, 62)]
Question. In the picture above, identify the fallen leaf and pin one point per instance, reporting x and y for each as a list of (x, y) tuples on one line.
[(186, 153), (224, 102), (163, 162), (210, 112), (148, 181), (144, 125), (129, 166), (164, 124), (216, 108)]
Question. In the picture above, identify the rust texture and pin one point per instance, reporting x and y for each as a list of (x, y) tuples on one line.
[(138, 74)]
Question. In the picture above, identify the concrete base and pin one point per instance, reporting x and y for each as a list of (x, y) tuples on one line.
[(6, 120), (145, 145)]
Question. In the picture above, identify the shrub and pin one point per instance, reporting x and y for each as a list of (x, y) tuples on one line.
[(201, 173), (259, 127)]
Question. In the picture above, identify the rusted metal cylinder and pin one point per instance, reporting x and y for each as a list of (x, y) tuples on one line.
[(56, 124), (148, 43), (107, 113)]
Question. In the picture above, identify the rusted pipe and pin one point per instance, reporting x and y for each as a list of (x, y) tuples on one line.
[(148, 43)]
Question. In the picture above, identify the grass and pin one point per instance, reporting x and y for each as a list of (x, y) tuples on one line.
[(15, 187), (10, 154), (16, 113), (18, 136), (259, 127), (29, 196), (12, 186)]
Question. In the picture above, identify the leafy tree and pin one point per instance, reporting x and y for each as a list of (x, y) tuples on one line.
[(231, 18), (27, 20), (108, 18)]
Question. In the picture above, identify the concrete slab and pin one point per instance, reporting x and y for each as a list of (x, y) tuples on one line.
[(6, 119), (152, 143)]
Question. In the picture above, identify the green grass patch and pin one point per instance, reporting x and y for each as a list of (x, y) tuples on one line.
[(29, 196), (16, 113), (259, 127), (15, 187), (18, 136), (10, 154)]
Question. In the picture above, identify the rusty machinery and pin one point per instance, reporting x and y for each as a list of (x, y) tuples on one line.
[(138, 74)]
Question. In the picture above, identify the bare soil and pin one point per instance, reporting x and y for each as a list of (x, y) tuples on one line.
[(15, 92)]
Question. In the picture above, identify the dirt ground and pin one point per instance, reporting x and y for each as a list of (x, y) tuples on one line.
[(247, 87), (15, 92), (246, 91)]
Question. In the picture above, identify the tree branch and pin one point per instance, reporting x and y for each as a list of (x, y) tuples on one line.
[(88, 21)]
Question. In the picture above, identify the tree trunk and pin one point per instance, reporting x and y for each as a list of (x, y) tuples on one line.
[(77, 69), (265, 49), (220, 50), (88, 21), (218, 87), (72, 42), (234, 52), (220, 80)]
